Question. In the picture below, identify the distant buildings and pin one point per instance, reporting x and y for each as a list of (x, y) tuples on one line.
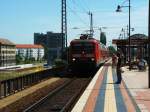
[(47, 45), (7, 53), (40, 38), (29, 51), (52, 42), (11, 53)]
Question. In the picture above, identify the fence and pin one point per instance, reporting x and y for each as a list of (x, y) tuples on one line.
[(11, 86)]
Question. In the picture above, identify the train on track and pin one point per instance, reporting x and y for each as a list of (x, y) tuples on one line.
[(87, 53)]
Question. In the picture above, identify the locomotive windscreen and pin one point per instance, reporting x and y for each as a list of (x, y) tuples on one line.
[(78, 48)]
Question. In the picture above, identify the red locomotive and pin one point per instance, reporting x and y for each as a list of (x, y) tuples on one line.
[(86, 52)]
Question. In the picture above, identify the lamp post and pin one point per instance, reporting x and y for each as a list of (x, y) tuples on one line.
[(129, 40), (149, 46), (129, 37)]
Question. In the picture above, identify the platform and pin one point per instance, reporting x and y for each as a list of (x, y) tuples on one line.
[(103, 95)]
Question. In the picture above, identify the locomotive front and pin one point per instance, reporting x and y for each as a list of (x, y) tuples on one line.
[(82, 54)]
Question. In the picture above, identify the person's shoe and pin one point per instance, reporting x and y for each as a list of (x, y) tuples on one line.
[(117, 82)]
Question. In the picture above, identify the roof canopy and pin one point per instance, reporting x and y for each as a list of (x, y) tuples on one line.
[(136, 39)]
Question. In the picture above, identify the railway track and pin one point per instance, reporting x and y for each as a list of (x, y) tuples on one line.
[(62, 98)]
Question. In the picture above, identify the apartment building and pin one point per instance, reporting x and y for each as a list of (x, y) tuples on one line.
[(7, 53), (30, 51)]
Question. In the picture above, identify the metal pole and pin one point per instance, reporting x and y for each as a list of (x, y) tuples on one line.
[(149, 46), (62, 33), (91, 24), (127, 31), (63, 24), (66, 23), (100, 33), (129, 37), (66, 32), (124, 34)]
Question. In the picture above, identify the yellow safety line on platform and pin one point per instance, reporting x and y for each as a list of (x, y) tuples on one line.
[(110, 101)]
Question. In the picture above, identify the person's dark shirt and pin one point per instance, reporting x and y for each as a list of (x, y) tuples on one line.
[(119, 62)]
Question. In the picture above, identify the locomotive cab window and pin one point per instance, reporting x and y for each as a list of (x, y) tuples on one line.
[(80, 47), (76, 47), (88, 48)]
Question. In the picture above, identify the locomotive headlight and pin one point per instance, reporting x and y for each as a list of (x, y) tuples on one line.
[(73, 59), (92, 59)]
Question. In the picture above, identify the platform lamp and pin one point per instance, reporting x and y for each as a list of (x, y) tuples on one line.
[(119, 7), (149, 45)]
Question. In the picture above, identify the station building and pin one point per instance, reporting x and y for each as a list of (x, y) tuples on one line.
[(30, 51), (138, 47), (7, 53)]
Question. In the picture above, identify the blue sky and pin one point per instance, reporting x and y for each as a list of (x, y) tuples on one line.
[(19, 19)]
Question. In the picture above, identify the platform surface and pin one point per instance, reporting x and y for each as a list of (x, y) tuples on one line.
[(104, 95)]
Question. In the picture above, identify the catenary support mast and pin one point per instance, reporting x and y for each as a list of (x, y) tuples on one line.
[(64, 24)]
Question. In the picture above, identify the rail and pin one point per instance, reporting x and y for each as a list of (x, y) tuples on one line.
[(57, 100), (38, 103), (11, 86)]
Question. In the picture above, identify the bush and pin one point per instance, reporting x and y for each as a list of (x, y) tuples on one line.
[(19, 59), (60, 62)]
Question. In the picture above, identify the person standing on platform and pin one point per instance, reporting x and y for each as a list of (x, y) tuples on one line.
[(118, 68), (114, 59)]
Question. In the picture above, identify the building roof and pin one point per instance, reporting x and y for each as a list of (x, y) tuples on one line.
[(28, 46), (139, 36), (6, 42), (136, 39)]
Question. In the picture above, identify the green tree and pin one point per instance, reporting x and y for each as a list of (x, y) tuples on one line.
[(112, 49), (19, 59), (32, 59), (60, 62), (103, 38), (26, 60)]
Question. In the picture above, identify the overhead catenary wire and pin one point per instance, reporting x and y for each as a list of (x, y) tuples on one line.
[(85, 4), (75, 13), (79, 6), (87, 11), (124, 2)]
